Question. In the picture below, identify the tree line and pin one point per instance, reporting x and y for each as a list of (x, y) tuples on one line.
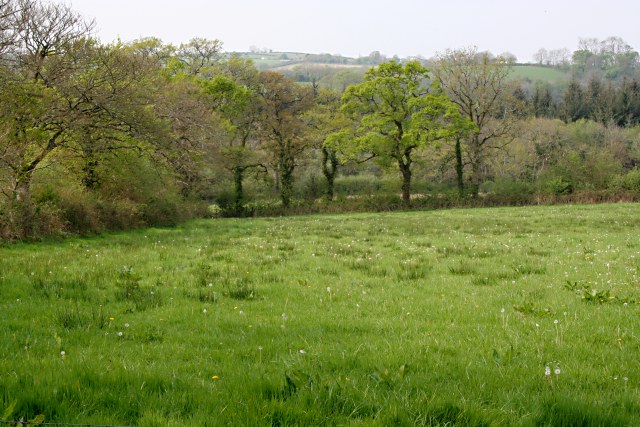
[(100, 136)]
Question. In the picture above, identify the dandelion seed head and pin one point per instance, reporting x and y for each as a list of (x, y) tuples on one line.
[(502, 310), (547, 371), (555, 322), (204, 310), (62, 353), (126, 325), (119, 334), (557, 371)]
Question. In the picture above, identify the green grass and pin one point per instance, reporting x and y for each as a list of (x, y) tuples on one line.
[(534, 73), (420, 318)]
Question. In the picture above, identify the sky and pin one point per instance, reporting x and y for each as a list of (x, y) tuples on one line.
[(357, 27)]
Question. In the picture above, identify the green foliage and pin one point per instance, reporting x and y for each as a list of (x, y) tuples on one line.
[(631, 181), (398, 111), (397, 115)]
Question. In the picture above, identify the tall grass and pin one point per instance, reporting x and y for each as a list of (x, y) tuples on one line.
[(414, 318)]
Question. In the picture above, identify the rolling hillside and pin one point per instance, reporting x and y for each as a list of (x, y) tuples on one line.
[(287, 61)]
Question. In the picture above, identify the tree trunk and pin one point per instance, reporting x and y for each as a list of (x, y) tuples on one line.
[(329, 169), (476, 170), (90, 179), (286, 165), (405, 168), (286, 187), (238, 177), (22, 189), (459, 168)]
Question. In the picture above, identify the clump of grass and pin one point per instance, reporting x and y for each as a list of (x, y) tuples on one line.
[(128, 289), (462, 268), (412, 269), (562, 411), (484, 280), (525, 269), (73, 317), (240, 288)]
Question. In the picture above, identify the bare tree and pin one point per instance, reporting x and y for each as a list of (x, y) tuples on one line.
[(7, 33), (44, 30), (478, 84), (200, 54)]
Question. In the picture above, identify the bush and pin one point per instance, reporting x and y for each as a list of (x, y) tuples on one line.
[(631, 181), (558, 186)]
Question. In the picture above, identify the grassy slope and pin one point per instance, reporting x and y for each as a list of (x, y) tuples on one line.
[(534, 73), (363, 319)]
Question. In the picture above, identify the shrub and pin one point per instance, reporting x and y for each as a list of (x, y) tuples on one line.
[(631, 181), (558, 186)]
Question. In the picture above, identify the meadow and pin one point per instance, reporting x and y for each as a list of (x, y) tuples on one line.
[(471, 317), (542, 73)]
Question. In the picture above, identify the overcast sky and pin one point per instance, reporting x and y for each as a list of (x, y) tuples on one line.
[(358, 27)]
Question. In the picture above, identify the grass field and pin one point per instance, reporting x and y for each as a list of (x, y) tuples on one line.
[(505, 316), (535, 73)]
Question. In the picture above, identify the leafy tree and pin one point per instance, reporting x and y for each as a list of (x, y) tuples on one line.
[(233, 94), (399, 114), (479, 85), (282, 102), (191, 133), (323, 120), (199, 55), (38, 118)]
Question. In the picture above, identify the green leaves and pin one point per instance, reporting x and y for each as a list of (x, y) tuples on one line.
[(399, 111)]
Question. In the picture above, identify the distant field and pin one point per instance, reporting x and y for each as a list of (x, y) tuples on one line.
[(533, 72), (318, 65), (476, 317)]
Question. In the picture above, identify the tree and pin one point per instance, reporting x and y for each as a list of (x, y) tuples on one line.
[(7, 25), (479, 85), (199, 55), (398, 114), (627, 103), (541, 56), (233, 94), (282, 102), (324, 120), (574, 102), (39, 117), (542, 100)]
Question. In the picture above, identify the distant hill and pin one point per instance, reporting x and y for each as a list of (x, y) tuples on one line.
[(287, 62), (274, 60)]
